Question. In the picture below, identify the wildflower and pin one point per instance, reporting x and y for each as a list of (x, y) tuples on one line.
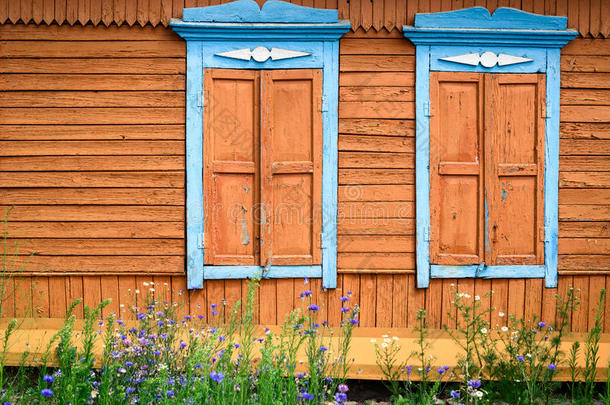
[(236, 345), (342, 388), (520, 358), (354, 321), (128, 363), (46, 392), (340, 396), (213, 306), (217, 376), (314, 307), (384, 345), (484, 331), (501, 314), (187, 317), (305, 280), (504, 328), (201, 316), (48, 378), (474, 383), (323, 349), (169, 393), (373, 340), (305, 294), (344, 309), (157, 352), (121, 370), (409, 369), (129, 390), (441, 371), (344, 299), (300, 375), (454, 394), (542, 324), (478, 394), (476, 298), (214, 312), (552, 366), (305, 395), (183, 344)]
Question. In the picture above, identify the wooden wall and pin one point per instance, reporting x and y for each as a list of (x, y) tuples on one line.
[(92, 157)]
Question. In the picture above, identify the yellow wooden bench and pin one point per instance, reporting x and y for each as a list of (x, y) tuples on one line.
[(33, 335)]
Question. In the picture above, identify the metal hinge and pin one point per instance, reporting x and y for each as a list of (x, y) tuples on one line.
[(427, 108), (547, 234), (427, 234), (322, 244), (201, 99), (324, 103), (200, 241), (547, 110)]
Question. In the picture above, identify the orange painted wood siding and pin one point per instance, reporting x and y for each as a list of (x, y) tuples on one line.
[(92, 158)]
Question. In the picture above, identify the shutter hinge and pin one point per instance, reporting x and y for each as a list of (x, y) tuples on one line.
[(547, 110), (427, 109), (201, 99), (322, 244), (200, 241), (547, 234), (427, 234)]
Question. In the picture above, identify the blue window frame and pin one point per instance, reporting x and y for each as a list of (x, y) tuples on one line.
[(225, 36), (473, 41)]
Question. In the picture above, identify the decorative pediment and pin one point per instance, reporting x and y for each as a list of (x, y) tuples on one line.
[(248, 11), (486, 59), (261, 54)]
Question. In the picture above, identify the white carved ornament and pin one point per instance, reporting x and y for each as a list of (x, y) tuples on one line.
[(261, 54), (487, 59)]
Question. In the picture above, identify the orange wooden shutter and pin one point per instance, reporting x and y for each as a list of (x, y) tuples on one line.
[(291, 167), (515, 181), (231, 159), (456, 168)]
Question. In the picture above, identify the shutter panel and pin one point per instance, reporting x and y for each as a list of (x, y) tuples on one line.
[(291, 167), (231, 166), (456, 168), (515, 182)]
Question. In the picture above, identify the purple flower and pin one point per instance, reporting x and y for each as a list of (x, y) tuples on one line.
[(520, 358), (236, 345), (441, 371), (129, 390), (159, 313), (217, 376), (323, 349), (344, 309), (314, 307), (542, 324), (454, 394), (552, 366), (169, 393), (129, 363), (187, 317), (213, 306), (201, 316), (183, 344), (305, 395), (306, 294), (342, 388), (474, 383), (354, 321), (344, 299), (300, 375), (157, 352), (221, 338), (120, 322), (214, 312), (408, 369), (48, 378), (340, 396), (46, 392)]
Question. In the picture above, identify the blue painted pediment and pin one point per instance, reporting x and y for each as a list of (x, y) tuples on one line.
[(480, 18), (248, 11)]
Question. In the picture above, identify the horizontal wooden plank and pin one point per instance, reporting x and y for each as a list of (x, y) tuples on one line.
[(584, 179), (400, 79), (90, 132), (375, 243), (373, 261), (394, 192), (374, 63), (123, 82), (92, 196), (367, 143), (380, 210), (376, 176), (376, 109), (17, 116), (91, 213), (99, 264), (381, 93), (580, 163), (140, 66), (587, 262), (31, 99), (586, 113), (91, 148), (87, 163), (585, 80), (584, 246), (584, 229), (594, 196), (93, 49), (586, 130), (99, 247), (86, 33), (377, 127), (584, 212), (375, 46), (376, 160), (585, 96), (570, 63), (581, 46), (88, 230), (92, 179)]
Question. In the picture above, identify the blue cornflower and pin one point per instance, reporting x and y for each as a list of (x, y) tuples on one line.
[(340, 396), (169, 393), (129, 390), (213, 306), (159, 313), (157, 352), (409, 369), (46, 392), (520, 358), (120, 322), (122, 370), (441, 371), (221, 338), (314, 307), (354, 321), (474, 383), (201, 316), (323, 348), (552, 366), (183, 344), (217, 376), (542, 324), (344, 309), (129, 363), (300, 375), (236, 345), (306, 294), (344, 299), (48, 378), (454, 394), (305, 395), (214, 312), (187, 317)]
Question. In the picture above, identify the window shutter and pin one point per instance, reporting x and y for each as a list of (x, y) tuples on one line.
[(291, 167), (515, 116), (456, 168), (231, 166)]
